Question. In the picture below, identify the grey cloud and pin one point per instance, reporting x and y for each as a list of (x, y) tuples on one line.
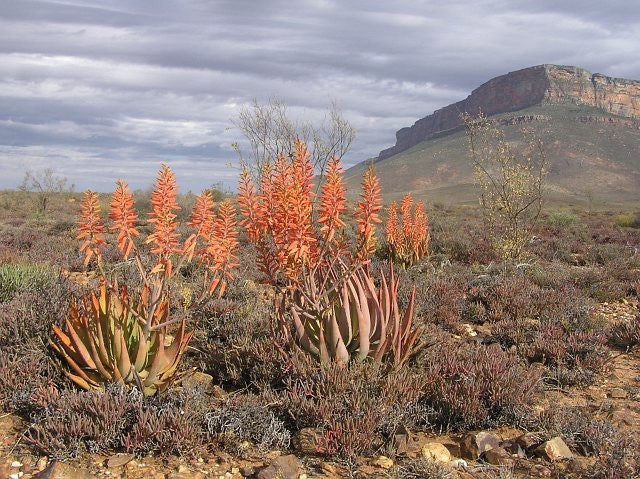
[(83, 86)]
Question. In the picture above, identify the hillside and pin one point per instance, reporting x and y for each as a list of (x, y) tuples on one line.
[(589, 124)]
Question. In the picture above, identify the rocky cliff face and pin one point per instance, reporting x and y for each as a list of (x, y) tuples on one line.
[(522, 89)]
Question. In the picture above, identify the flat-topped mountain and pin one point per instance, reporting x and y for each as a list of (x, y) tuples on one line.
[(589, 124), (543, 84)]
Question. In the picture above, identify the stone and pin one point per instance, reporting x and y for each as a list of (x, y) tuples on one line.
[(41, 463), (282, 467), (554, 449), (382, 462), (328, 468), (514, 449), (473, 445), (16, 464), (538, 470), (528, 441), (247, 471), (61, 470), (498, 456), (118, 460), (436, 452), (459, 464), (618, 393)]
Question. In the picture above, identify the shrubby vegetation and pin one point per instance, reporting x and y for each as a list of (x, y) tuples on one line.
[(308, 325)]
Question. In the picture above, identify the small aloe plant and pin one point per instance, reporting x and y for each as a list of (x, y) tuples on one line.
[(351, 320), (109, 336), (105, 342)]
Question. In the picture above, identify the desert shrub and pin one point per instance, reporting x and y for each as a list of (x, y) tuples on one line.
[(20, 376), (580, 430), (625, 334), (516, 298), (472, 386), (561, 218), (571, 357), (441, 301), (618, 459), (470, 245), (26, 320), (351, 407), (247, 418), (173, 423), (70, 423), (16, 278)]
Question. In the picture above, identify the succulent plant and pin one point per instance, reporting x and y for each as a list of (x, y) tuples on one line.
[(351, 320), (105, 341)]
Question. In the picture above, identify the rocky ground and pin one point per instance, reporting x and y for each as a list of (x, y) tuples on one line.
[(500, 453)]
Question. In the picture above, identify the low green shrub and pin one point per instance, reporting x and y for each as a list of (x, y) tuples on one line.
[(17, 278), (561, 218), (626, 220)]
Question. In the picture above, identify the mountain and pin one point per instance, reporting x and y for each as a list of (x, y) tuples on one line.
[(589, 123)]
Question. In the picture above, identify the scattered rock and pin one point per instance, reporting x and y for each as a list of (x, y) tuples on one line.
[(383, 462), (247, 471), (514, 449), (498, 456), (60, 470), (473, 445), (528, 441), (118, 460), (16, 464), (554, 450), (434, 451), (459, 464), (538, 470), (618, 393), (282, 467)]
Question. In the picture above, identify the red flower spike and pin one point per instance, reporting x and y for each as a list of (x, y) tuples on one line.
[(91, 227), (333, 201), (124, 217), (164, 203), (367, 215)]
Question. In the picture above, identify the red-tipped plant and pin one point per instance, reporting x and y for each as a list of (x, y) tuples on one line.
[(367, 214), (118, 336), (327, 295), (407, 240), (91, 228)]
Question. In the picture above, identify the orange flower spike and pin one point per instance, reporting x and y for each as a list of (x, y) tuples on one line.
[(392, 224), (367, 214), (219, 254), (333, 200), (249, 202), (202, 218), (91, 227), (407, 223), (302, 241), (124, 217), (164, 203)]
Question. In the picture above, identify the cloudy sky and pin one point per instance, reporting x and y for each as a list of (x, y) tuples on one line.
[(99, 90)]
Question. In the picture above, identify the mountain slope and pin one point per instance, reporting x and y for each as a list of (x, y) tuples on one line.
[(589, 124)]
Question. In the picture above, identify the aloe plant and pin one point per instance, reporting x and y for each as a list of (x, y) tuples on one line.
[(106, 342), (351, 319)]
